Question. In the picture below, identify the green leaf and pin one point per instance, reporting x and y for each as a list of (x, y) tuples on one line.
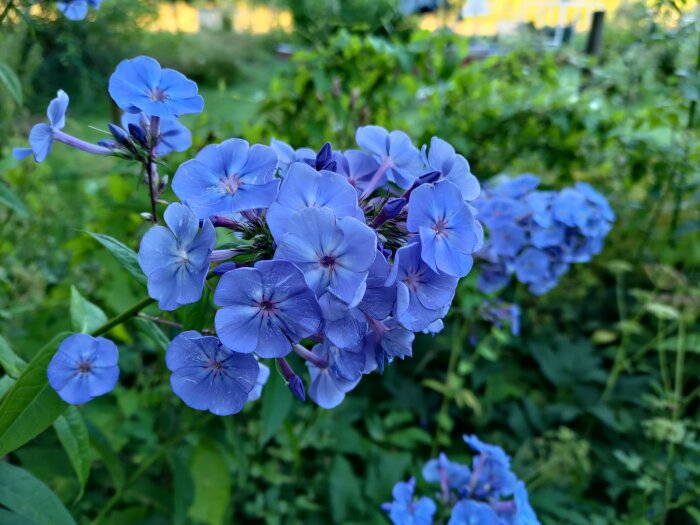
[(153, 332), (12, 201), (73, 435), (11, 518), (344, 490), (212, 483), (276, 403), (10, 80), (85, 316), (662, 311), (197, 314), (9, 361), (31, 405), (109, 457), (125, 255), (24, 494)]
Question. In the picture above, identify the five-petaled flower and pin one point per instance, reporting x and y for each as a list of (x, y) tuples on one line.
[(140, 85), (176, 260), (84, 367), (264, 308), (206, 375), (41, 136), (227, 178), (77, 9)]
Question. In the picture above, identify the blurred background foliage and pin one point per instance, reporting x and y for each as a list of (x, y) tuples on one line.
[(597, 399)]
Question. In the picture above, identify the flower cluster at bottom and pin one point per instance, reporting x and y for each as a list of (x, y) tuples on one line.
[(488, 493)]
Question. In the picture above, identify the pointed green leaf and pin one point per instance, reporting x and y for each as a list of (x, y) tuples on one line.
[(85, 316), (276, 403), (24, 494), (12, 201), (151, 330), (73, 435), (31, 405), (11, 363), (125, 255), (10, 80), (12, 518), (212, 484)]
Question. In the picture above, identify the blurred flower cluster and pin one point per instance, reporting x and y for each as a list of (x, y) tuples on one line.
[(488, 493), (536, 235)]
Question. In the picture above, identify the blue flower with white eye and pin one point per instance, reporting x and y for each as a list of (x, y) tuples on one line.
[(400, 161), (206, 375), (334, 254), (406, 509), (441, 157), (227, 178), (83, 368), (422, 295), (356, 166), (77, 9), (343, 372), (304, 187), (260, 382), (454, 475), (172, 136), (41, 136), (470, 512), (176, 260), (491, 473), (140, 85), (264, 308), (531, 266), (447, 228)]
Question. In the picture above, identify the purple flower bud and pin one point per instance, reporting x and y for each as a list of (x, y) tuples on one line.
[(119, 135), (296, 387), (138, 134), (429, 178), (224, 267), (107, 144), (393, 207)]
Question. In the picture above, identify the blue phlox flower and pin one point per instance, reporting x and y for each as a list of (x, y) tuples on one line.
[(406, 509), (442, 158), (344, 371), (422, 295), (264, 308), (518, 187), (540, 204), (343, 325), (388, 340), (491, 472), (378, 299), (492, 276), (176, 260), (227, 178), (172, 136), (288, 155), (532, 265), (524, 513), (140, 85), (76, 9), (303, 187), (447, 228), (547, 237), (570, 208), (597, 199), (499, 210), (206, 375), (442, 470), (334, 254), (507, 238), (83, 368), (400, 161), (498, 312), (470, 512), (260, 382), (356, 166), (435, 327), (42, 135)]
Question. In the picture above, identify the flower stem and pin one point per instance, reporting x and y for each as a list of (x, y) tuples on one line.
[(124, 316), (376, 178), (310, 357), (80, 144)]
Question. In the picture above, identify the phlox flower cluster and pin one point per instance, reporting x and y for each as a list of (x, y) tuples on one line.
[(536, 235), (487, 492), (338, 257)]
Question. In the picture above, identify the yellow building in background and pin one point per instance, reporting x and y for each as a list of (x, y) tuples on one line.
[(494, 16)]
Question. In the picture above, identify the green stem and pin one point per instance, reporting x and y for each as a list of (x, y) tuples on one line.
[(10, 5), (122, 317), (662, 358), (447, 397), (621, 350), (675, 414)]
